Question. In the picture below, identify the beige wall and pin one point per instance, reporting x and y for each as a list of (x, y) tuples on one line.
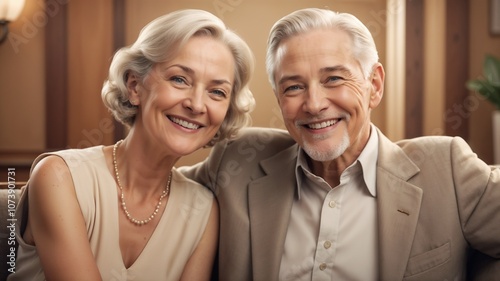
[(434, 67), (481, 43), (89, 52), (22, 110), (252, 20), (89, 35), (22, 81)]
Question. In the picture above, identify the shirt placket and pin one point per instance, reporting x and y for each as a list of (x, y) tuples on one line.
[(328, 235)]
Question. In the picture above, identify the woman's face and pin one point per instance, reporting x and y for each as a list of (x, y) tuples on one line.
[(183, 102)]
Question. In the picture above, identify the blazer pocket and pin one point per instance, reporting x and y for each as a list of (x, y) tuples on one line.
[(428, 260)]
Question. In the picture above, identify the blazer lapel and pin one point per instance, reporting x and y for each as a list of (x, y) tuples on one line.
[(270, 202), (271, 197), (398, 208)]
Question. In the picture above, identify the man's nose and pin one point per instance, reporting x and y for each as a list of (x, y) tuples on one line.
[(315, 100)]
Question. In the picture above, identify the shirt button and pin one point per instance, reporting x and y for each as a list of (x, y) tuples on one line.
[(332, 204), (322, 266), (327, 244)]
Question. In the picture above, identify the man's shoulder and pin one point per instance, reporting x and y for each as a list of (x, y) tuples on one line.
[(260, 136), (262, 132), (262, 141), (426, 150), (425, 141)]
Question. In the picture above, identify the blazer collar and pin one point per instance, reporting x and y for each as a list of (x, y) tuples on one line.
[(398, 208), (270, 201), (271, 197)]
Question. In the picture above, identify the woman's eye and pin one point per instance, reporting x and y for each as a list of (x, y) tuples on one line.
[(178, 80), (219, 93)]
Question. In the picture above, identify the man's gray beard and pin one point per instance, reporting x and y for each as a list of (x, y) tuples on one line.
[(323, 156)]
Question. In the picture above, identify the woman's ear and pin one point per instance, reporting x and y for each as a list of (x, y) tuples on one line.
[(377, 81), (132, 84)]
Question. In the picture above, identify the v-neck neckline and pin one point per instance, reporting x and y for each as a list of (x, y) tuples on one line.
[(151, 238), (116, 210)]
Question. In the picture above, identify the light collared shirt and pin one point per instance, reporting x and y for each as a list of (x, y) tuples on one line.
[(333, 232)]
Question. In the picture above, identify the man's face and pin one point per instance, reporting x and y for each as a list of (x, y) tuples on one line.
[(323, 95)]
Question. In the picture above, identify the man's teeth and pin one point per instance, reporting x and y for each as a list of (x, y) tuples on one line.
[(184, 123), (323, 124)]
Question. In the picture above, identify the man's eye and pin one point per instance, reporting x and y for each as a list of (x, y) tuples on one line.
[(334, 79), (292, 88)]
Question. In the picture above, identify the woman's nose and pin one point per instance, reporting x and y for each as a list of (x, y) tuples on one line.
[(195, 101)]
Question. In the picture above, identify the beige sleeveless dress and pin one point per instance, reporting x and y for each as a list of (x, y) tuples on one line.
[(170, 246)]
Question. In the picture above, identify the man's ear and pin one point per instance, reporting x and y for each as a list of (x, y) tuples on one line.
[(132, 84), (377, 82)]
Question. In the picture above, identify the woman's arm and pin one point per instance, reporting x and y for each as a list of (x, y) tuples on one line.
[(56, 225), (200, 264)]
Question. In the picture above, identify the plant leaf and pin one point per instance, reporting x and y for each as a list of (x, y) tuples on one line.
[(488, 85), (489, 91), (491, 69)]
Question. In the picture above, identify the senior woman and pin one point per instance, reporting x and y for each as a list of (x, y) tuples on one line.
[(123, 212)]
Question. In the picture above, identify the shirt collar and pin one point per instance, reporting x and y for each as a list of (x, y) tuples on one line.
[(367, 159)]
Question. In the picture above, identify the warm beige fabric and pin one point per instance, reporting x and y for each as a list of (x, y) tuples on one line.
[(175, 238), (436, 200), (335, 226)]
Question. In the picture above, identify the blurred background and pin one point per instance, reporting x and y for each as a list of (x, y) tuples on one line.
[(56, 56)]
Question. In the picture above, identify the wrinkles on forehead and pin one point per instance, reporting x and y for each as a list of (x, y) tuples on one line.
[(342, 47)]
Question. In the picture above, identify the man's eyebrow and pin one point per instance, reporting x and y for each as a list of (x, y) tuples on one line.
[(336, 68), (288, 78)]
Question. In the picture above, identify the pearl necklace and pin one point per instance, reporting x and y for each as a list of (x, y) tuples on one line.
[(122, 196)]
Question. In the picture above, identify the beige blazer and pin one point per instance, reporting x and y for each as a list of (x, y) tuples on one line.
[(436, 201)]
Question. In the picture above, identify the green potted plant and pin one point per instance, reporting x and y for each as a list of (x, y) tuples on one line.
[(489, 87)]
